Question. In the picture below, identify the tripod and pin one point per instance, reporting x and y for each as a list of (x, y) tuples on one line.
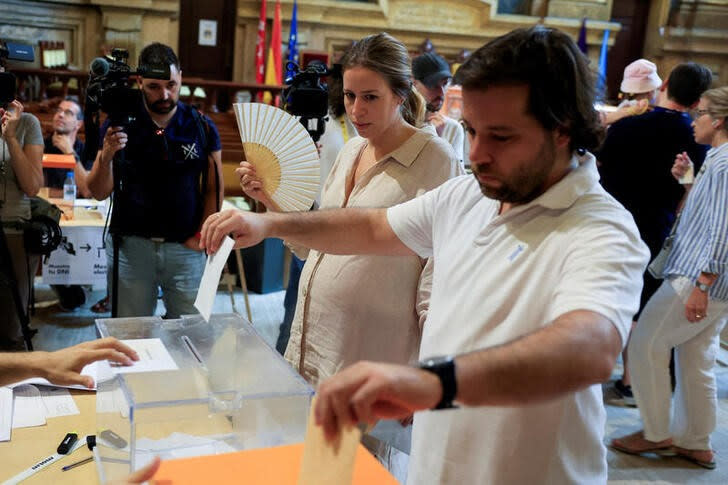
[(9, 279)]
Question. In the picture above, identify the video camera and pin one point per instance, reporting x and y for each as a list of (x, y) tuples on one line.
[(307, 96), (11, 51), (109, 90)]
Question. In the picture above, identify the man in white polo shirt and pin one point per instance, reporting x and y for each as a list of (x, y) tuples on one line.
[(537, 275)]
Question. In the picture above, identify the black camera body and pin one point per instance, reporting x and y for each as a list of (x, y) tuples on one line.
[(109, 89), (307, 96), (14, 52)]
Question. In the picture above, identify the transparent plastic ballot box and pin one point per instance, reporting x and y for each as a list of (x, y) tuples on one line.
[(223, 389)]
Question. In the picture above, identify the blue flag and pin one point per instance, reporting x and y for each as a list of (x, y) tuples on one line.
[(602, 80), (581, 42), (293, 42)]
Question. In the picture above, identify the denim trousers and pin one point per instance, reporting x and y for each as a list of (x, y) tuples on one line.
[(145, 266)]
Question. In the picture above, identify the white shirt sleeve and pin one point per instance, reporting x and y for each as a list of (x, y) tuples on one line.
[(412, 222), (603, 274)]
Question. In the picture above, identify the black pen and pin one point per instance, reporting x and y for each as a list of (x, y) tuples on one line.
[(74, 465)]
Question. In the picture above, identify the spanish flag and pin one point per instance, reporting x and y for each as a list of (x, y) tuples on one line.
[(273, 68)]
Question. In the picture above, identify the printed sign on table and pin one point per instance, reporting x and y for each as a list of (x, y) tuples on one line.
[(79, 260)]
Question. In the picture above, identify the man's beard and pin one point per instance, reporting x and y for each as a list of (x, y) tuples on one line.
[(161, 106), (523, 187), (434, 106)]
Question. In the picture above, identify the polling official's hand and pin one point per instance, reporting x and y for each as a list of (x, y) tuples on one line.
[(246, 228), (64, 366), (366, 392)]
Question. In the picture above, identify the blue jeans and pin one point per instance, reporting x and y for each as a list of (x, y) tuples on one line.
[(289, 303), (146, 265)]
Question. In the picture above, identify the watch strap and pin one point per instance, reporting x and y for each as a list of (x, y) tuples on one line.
[(444, 369)]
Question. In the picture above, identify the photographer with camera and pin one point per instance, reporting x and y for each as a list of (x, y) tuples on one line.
[(21, 176), (164, 169)]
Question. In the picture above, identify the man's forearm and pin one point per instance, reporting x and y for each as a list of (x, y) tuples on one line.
[(100, 179), (16, 367), (338, 231), (577, 350)]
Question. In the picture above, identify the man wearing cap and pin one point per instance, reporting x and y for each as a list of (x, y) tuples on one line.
[(639, 152), (431, 78)]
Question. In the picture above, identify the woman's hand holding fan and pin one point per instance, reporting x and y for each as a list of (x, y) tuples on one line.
[(283, 155), (252, 185)]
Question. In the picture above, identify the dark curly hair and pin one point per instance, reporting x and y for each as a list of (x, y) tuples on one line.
[(158, 53), (561, 85)]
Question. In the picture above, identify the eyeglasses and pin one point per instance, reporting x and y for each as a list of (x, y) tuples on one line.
[(66, 112), (700, 112)]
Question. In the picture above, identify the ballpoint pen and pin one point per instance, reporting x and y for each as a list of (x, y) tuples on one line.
[(74, 465)]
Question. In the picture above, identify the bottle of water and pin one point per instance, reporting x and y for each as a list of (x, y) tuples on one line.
[(69, 188)]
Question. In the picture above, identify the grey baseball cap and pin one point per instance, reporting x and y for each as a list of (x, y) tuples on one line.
[(430, 69)]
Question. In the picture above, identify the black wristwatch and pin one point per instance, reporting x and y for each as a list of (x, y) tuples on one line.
[(444, 369)]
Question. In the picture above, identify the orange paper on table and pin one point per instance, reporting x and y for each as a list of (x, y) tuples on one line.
[(265, 466), (51, 160)]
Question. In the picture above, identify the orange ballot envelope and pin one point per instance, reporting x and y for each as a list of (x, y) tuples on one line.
[(312, 462)]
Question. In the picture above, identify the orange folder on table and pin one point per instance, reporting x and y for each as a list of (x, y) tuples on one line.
[(279, 465), (51, 160)]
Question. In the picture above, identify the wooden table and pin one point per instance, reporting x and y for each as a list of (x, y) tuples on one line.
[(29, 445)]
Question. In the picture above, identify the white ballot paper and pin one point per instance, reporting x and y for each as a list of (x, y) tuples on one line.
[(6, 413), (57, 402), (28, 410), (153, 356), (211, 278)]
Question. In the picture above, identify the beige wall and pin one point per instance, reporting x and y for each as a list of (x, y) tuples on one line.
[(696, 31), (85, 26)]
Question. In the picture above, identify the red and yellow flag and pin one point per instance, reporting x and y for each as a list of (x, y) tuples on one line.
[(260, 49), (274, 67)]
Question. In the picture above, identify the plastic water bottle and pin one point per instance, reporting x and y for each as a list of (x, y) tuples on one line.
[(69, 188)]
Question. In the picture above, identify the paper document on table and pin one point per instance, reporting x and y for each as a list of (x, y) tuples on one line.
[(6, 413), (58, 402), (89, 370), (28, 407), (153, 356), (211, 278), (327, 463)]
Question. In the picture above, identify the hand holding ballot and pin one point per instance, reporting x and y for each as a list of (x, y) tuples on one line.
[(246, 228), (367, 392)]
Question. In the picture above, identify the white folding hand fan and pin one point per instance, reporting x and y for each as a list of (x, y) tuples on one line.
[(282, 152)]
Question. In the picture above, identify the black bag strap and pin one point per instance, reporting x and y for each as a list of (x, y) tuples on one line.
[(204, 132)]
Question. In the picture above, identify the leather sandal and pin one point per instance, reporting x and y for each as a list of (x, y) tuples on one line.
[(691, 456), (636, 444)]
